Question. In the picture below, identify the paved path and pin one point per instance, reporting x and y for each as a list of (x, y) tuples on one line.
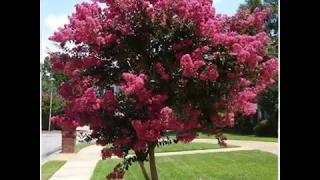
[(263, 146), (80, 166)]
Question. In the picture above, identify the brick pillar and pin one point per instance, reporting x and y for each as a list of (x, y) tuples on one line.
[(68, 141)]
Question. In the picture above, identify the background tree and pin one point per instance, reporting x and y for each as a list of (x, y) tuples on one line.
[(252, 4), (47, 74), (49, 85), (268, 99), (180, 67), (57, 108)]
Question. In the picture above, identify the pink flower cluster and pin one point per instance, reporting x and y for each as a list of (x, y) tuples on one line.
[(187, 66), (223, 119), (176, 123), (108, 102), (210, 73), (134, 84), (186, 138), (139, 145), (161, 71), (81, 107), (148, 131), (117, 173), (268, 70), (244, 19), (108, 152)]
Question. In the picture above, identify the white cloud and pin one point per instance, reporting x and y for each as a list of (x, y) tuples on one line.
[(45, 46), (42, 50), (56, 21), (216, 1), (51, 24)]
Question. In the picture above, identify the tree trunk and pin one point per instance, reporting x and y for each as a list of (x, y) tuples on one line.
[(144, 171), (153, 167)]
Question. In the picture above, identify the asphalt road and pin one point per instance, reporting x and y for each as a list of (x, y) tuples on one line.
[(51, 144)]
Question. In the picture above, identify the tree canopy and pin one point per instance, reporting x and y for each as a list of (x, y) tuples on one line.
[(180, 67)]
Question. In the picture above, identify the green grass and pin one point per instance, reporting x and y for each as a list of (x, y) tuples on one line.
[(187, 147), (82, 145), (237, 165), (173, 147), (243, 137), (49, 168)]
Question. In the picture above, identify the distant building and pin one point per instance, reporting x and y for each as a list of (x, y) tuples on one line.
[(115, 89), (259, 116)]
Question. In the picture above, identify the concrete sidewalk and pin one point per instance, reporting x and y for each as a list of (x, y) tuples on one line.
[(80, 166)]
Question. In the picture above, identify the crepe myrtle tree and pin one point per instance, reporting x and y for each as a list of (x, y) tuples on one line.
[(180, 67)]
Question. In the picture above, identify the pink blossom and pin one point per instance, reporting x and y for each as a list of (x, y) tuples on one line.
[(134, 83), (244, 82), (187, 65), (186, 138), (106, 153), (161, 71), (139, 145)]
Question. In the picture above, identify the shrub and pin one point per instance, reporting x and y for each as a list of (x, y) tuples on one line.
[(244, 126), (266, 128)]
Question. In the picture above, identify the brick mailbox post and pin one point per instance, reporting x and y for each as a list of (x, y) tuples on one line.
[(68, 141)]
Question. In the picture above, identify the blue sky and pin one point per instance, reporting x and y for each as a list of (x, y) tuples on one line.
[(53, 14)]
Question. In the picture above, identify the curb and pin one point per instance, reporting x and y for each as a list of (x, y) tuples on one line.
[(46, 156)]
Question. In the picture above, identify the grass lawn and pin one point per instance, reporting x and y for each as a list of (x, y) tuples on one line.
[(237, 165), (82, 145), (187, 147), (49, 168), (172, 148), (243, 137)]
